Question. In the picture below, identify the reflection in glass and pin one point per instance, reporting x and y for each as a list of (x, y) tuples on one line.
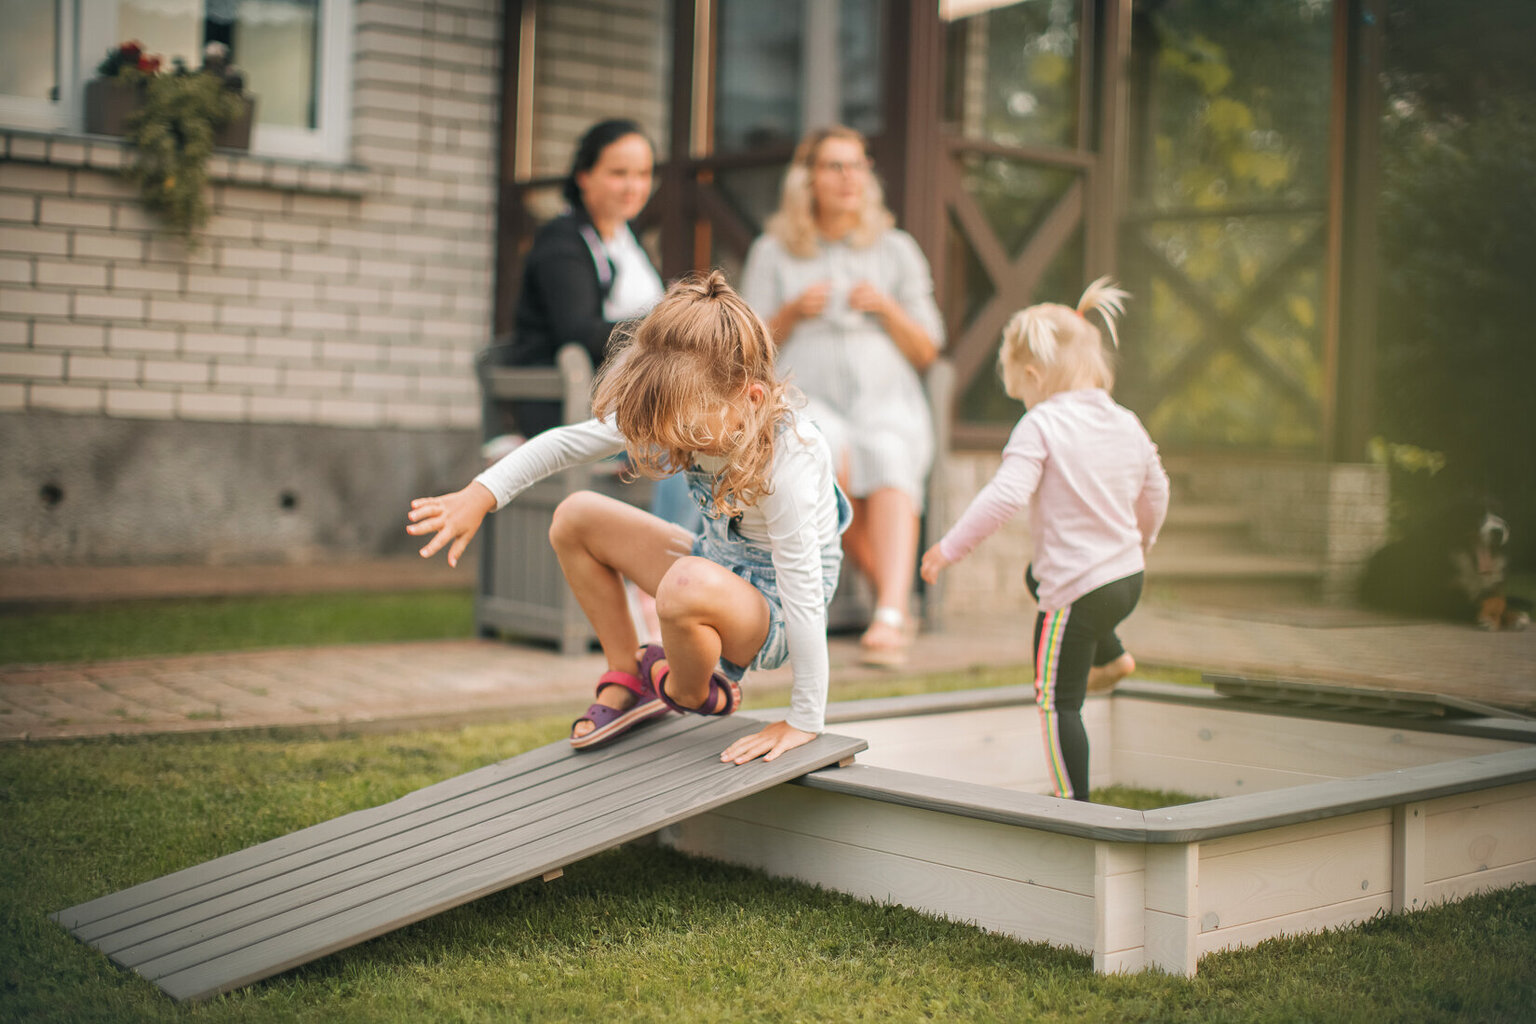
[(984, 400), (1224, 249), (753, 192), (275, 42), (167, 28), (757, 99), (1014, 196), (786, 68), (28, 49), (1012, 73)]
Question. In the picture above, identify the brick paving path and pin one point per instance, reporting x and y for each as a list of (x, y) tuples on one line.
[(465, 680)]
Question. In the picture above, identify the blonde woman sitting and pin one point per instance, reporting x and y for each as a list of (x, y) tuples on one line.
[(849, 298)]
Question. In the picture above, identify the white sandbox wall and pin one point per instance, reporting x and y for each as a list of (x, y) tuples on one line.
[(1319, 821)]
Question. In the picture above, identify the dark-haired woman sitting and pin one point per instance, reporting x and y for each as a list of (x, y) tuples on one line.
[(586, 270)]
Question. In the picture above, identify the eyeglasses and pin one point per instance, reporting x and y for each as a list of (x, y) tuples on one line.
[(839, 167)]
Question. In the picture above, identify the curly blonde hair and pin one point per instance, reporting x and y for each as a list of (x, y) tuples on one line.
[(1068, 349), (695, 355), (794, 224)]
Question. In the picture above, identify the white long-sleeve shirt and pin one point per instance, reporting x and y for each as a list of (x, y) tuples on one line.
[(795, 520), (1097, 490)]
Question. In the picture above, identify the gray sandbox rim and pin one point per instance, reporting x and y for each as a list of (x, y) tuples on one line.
[(1185, 823)]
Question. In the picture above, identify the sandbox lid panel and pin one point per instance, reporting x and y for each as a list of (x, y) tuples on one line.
[(246, 916)]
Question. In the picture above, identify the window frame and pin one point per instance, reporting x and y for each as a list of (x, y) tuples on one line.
[(87, 30), (50, 115)]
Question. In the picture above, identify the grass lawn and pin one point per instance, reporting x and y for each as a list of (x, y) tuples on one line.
[(131, 629), (637, 934)]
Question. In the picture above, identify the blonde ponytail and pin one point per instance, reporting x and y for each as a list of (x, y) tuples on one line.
[(1107, 299)]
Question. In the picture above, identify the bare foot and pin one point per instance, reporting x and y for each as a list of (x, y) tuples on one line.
[(612, 695), (1103, 678)]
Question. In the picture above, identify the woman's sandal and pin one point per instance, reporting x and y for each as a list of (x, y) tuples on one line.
[(890, 654), (611, 723), (724, 695)]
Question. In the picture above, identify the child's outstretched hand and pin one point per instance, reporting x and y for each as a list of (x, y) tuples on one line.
[(934, 563), (768, 744), (455, 518)]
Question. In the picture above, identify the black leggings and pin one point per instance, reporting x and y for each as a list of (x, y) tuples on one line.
[(1068, 643)]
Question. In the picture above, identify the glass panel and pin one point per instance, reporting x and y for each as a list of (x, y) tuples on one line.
[(1014, 197), (1238, 102), (1230, 113), (861, 65), (753, 192), (1230, 402), (275, 42), (28, 48), (969, 287), (786, 68), (1013, 73), (759, 48), (984, 400), (592, 62), (167, 28)]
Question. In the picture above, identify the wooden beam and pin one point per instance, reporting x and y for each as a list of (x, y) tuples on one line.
[(1354, 416), (510, 220)]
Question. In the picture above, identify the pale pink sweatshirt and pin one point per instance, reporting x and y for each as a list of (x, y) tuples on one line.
[(1098, 490)]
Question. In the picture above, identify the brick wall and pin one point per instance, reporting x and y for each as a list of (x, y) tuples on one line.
[(349, 300), (594, 60)]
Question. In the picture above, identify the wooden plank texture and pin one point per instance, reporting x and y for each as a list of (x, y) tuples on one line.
[(246, 916)]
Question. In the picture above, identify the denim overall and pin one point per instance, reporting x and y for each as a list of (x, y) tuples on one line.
[(720, 541)]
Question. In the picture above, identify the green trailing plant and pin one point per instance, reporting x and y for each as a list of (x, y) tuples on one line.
[(173, 130)]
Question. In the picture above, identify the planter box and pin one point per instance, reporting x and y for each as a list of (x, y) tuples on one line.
[(108, 107)]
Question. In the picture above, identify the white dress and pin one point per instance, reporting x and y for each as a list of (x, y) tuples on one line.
[(862, 391)]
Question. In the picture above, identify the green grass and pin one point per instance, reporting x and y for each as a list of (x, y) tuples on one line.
[(638, 934), (159, 628)]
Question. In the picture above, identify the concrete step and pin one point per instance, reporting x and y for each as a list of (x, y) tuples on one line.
[(1206, 555)]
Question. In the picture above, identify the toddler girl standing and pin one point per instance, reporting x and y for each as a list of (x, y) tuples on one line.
[(691, 388), (1097, 494)]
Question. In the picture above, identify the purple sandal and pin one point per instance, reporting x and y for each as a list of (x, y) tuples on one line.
[(611, 723), (724, 694)]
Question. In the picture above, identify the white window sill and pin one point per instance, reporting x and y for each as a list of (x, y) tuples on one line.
[(110, 153)]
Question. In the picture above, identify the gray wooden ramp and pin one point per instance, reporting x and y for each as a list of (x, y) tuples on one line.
[(249, 915)]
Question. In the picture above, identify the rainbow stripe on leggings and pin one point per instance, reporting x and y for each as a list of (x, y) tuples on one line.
[(1046, 660)]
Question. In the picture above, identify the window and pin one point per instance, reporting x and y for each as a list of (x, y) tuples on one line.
[(296, 55), (34, 78)]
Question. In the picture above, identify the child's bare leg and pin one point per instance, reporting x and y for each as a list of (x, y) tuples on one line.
[(600, 541), (706, 611), (1102, 678)]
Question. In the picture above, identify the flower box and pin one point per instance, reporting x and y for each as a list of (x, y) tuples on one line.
[(108, 105)]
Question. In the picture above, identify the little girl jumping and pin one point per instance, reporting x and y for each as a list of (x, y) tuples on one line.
[(692, 388), (1098, 494)]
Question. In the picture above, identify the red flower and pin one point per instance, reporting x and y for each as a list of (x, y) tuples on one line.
[(149, 65), (131, 50)]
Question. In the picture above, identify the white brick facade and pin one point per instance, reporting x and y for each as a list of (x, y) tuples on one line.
[(321, 295), (340, 305)]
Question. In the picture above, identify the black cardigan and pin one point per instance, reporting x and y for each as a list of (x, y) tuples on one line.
[(561, 300), (562, 296)]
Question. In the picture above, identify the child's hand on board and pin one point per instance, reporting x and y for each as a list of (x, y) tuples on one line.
[(934, 563), (455, 518), (768, 744)]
